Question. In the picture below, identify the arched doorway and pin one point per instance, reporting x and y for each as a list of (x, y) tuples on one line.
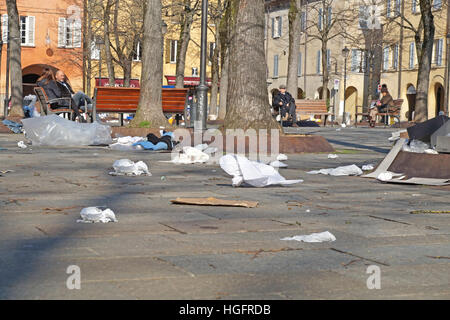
[(30, 75), (411, 96), (300, 94), (439, 94), (351, 100), (319, 93)]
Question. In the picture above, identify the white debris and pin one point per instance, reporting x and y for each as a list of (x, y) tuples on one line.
[(431, 151), (22, 145), (95, 215), (126, 167), (416, 146), (333, 156), (385, 176), (253, 173), (278, 164), (282, 157), (368, 167), (126, 144), (396, 135), (190, 155), (313, 238), (352, 170)]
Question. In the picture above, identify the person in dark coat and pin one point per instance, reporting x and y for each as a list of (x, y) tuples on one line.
[(79, 98), (286, 103), (51, 88)]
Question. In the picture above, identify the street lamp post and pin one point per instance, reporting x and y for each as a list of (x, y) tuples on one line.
[(202, 90), (345, 53), (8, 57)]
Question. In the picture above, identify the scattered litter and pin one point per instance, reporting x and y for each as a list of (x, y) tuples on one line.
[(368, 167), (352, 170), (163, 178), (343, 125), (308, 211), (154, 143), (252, 173), (215, 202), (333, 156), (339, 129), (190, 155), (6, 171), (418, 146), (282, 157), (278, 164), (22, 145), (13, 126), (126, 167), (385, 176), (313, 238), (95, 215), (56, 131)]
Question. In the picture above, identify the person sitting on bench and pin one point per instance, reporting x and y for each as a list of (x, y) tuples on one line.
[(48, 83), (79, 98), (381, 106), (286, 103)]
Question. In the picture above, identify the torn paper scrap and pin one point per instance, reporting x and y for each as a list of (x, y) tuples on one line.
[(313, 238), (368, 167), (278, 164), (352, 170), (252, 173), (190, 155), (282, 157), (215, 202), (22, 145), (95, 215), (333, 156), (126, 167)]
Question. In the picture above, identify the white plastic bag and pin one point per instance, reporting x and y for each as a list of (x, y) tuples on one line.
[(313, 238), (253, 173), (129, 168), (95, 215), (56, 131), (352, 170), (190, 155)]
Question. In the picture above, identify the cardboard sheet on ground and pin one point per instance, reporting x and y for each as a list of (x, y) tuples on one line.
[(215, 202), (387, 162), (253, 173)]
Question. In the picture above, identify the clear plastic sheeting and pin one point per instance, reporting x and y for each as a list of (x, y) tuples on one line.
[(56, 131), (313, 238), (418, 146), (126, 167), (253, 173), (127, 144), (352, 170), (96, 215)]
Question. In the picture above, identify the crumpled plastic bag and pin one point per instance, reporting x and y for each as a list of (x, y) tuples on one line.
[(95, 215), (313, 238), (253, 173), (55, 131), (368, 167), (278, 164), (352, 170), (418, 146), (190, 155), (126, 167)]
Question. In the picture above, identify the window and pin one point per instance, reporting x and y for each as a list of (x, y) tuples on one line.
[(27, 31), (328, 59), (412, 54), (386, 58), (398, 7), (319, 62), (137, 52), (358, 60), (320, 18), (173, 51), (195, 72), (275, 66), (437, 4), (69, 33), (438, 50), (388, 8), (330, 15), (277, 27), (303, 21), (414, 6), (299, 68), (95, 51), (395, 56), (5, 28)]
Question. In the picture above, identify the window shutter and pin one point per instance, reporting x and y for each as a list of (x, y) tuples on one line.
[(388, 10), (275, 66), (318, 61), (299, 69), (440, 47), (320, 18), (411, 55), (273, 27), (354, 64), (61, 32), (167, 51), (328, 58), (76, 29), (30, 33), (330, 12), (5, 28)]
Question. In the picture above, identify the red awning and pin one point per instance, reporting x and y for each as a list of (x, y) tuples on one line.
[(188, 81)]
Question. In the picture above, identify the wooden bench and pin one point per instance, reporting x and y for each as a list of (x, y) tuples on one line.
[(312, 108), (390, 112), (126, 100), (45, 104)]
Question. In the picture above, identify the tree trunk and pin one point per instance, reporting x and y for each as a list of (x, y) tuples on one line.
[(224, 86), (107, 34), (215, 79), (248, 100), (15, 60), (127, 66), (294, 46), (149, 111), (423, 78), (185, 38), (325, 74)]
